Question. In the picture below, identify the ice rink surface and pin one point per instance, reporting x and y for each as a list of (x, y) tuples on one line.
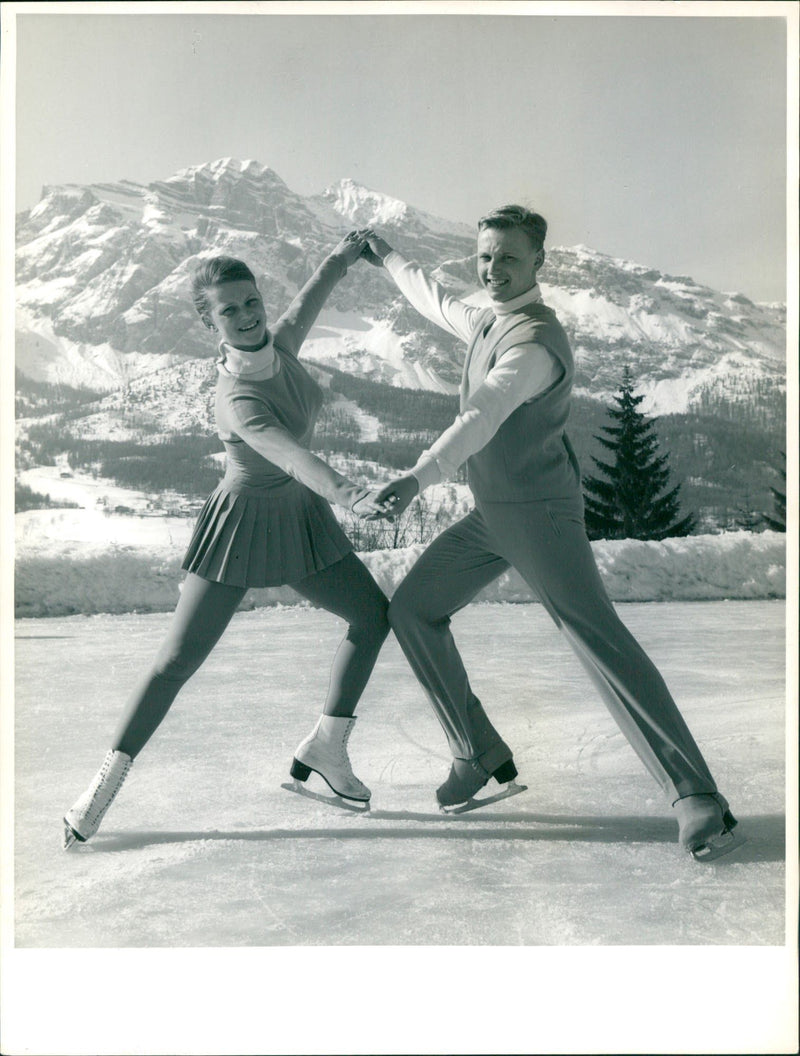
[(204, 849), (203, 846)]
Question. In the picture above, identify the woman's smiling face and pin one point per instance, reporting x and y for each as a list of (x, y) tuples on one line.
[(237, 311)]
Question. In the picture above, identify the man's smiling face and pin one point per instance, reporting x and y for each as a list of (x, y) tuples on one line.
[(507, 262)]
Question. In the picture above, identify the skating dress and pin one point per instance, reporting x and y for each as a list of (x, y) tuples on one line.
[(261, 526)]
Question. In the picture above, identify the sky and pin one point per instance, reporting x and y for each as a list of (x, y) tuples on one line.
[(660, 140)]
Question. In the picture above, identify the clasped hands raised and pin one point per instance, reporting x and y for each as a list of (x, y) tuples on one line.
[(362, 242)]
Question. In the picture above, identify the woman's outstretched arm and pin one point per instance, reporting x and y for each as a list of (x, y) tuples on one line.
[(291, 330)]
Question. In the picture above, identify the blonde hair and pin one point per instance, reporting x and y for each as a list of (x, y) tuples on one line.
[(508, 216), (213, 272)]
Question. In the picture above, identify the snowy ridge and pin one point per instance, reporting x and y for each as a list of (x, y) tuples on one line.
[(104, 269), (364, 207), (367, 208)]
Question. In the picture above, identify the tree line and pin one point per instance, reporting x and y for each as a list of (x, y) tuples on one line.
[(34, 398), (725, 472)]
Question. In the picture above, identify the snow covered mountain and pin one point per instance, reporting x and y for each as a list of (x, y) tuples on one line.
[(102, 293)]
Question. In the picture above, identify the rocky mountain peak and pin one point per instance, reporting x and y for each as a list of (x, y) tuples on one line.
[(241, 187), (364, 207), (102, 281)]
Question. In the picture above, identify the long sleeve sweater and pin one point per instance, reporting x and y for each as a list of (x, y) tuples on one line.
[(267, 403), (490, 392)]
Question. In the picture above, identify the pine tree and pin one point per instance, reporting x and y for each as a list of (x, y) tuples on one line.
[(778, 522), (629, 504)]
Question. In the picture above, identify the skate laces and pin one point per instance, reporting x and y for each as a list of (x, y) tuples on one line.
[(345, 758), (112, 774)]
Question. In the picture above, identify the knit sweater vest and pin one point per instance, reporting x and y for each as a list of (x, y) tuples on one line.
[(530, 457)]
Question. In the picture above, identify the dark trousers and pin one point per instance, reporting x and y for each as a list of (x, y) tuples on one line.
[(546, 542)]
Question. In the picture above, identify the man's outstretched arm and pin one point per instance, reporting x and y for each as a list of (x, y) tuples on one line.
[(427, 296)]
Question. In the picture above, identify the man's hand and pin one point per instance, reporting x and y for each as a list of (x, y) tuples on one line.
[(376, 248), (395, 496)]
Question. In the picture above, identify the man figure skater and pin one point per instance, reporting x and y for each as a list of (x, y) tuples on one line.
[(514, 405)]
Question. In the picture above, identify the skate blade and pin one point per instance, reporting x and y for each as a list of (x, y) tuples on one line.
[(334, 800), (717, 846), (511, 789), (70, 837)]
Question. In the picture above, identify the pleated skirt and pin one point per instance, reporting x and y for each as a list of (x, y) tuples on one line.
[(264, 537)]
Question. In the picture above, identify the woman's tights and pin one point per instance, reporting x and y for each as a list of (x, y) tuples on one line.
[(204, 611)]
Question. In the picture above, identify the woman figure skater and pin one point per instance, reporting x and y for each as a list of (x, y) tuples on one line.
[(268, 522), (515, 395)]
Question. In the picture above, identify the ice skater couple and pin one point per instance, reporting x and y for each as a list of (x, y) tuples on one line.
[(269, 522)]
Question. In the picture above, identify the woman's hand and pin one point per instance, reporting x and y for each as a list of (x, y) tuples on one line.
[(365, 507), (351, 247), (376, 248), (395, 496)]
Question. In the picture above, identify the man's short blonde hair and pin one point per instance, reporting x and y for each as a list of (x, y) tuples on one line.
[(508, 216)]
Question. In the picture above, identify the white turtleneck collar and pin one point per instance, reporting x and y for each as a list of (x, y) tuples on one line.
[(534, 294), (258, 365)]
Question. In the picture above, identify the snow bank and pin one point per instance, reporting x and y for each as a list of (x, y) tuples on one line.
[(67, 578), (734, 565)]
